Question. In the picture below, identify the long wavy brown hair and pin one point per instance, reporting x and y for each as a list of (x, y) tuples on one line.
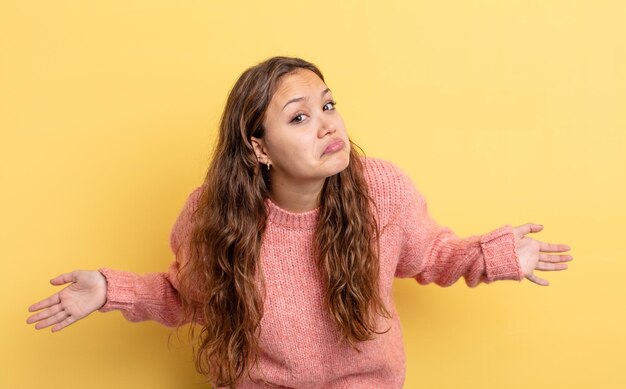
[(221, 282)]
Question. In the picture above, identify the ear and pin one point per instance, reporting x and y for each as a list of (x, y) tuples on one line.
[(260, 150)]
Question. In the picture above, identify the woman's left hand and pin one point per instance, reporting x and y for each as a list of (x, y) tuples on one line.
[(534, 254)]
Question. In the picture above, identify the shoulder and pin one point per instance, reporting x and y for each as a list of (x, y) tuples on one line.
[(190, 206), (383, 177), (387, 184), (182, 227)]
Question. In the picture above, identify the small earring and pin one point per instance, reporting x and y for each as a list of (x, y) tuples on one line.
[(268, 166)]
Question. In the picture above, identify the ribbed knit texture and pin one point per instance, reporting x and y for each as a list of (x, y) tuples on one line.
[(300, 343)]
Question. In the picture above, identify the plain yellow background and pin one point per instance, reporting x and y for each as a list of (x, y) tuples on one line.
[(503, 112)]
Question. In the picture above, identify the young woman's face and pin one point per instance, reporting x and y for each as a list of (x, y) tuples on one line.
[(305, 137)]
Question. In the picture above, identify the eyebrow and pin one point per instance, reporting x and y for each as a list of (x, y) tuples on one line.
[(303, 98)]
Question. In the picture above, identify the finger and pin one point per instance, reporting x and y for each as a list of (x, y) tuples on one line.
[(527, 229), (63, 279), (552, 247), (44, 314), (538, 280), (555, 258), (69, 320), (50, 301), (58, 317), (550, 266)]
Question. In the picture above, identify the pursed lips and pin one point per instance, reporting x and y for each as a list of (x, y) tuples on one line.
[(334, 145)]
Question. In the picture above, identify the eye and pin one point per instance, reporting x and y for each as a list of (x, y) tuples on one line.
[(299, 118), (330, 105)]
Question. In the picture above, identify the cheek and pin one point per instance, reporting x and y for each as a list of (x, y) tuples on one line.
[(288, 147), (302, 153), (341, 125), (303, 148)]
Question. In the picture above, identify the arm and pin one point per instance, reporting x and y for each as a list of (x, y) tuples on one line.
[(153, 296), (433, 253)]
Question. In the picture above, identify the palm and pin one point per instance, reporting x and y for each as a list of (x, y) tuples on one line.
[(533, 254), (79, 299), (85, 294)]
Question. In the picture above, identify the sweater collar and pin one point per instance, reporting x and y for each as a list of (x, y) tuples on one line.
[(280, 216)]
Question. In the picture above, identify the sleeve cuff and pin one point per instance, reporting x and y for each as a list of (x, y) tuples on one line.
[(120, 290), (501, 258)]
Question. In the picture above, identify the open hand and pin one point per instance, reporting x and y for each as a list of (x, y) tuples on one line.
[(533, 253), (85, 294)]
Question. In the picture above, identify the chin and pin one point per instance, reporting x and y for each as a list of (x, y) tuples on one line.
[(338, 164)]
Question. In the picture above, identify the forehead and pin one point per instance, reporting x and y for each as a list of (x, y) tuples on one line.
[(299, 83)]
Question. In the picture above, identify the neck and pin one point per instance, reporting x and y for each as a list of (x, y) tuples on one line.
[(296, 196)]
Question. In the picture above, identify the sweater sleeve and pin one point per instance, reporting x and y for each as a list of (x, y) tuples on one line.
[(152, 296), (433, 253)]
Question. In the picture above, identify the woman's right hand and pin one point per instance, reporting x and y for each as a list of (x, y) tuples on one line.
[(85, 294)]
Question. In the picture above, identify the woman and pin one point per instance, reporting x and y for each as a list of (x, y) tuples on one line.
[(285, 256)]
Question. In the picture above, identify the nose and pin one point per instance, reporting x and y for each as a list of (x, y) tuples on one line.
[(326, 126)]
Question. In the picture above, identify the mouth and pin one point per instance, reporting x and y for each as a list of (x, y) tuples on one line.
[(334, 146)]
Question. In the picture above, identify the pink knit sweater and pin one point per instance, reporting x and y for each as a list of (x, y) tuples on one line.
[(298, 338)]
